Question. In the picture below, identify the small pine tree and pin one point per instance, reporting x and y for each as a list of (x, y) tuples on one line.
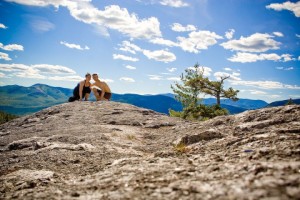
[(290, 102), (193, 84)]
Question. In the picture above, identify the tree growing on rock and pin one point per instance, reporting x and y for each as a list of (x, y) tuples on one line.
[(193, 84)]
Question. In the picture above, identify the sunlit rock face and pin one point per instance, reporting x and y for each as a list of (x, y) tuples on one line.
[(109, 150)]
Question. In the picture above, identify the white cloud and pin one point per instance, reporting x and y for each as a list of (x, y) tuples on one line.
[(129, 47), (123, 57), (174, 3), (107, 80), (227, 69), (257, 42), (112, 17), (257, 92), (250, 57), (206, 70), (287, 57), (130, 67), (233, 76), (4, 56), (41, 25), (13, 67), (274, 96), (155, 77), (2, 75), (278, 34), (53, 69), (127, 79), (265, 84), (198, 40), (294, 7), (41, 71), (298, 57), (173, 79), (74, 46), (179, 28), (229, 34), (297, 35), (173, 69), (162, 41), (12, 47), (66, 78), (3, 26), (160, 55), (285, 68)]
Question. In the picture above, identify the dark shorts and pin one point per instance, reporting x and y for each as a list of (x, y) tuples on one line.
[(107, 95)]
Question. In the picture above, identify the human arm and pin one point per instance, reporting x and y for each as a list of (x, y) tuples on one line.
[(81, 89)]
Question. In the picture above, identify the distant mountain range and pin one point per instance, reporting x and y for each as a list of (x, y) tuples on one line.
[(21, 100)]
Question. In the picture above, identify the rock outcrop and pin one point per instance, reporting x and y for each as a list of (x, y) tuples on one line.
[(108, 150)]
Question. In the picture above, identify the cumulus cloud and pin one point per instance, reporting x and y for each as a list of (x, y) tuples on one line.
[(11, 47), (127, 79), (160, 55), (74, 46), (198, 40), (130, 67), (66, 78), (53, 69), (285, 68), (278, 34), (3, 26), (173, 79), (251, 57), (112, 17), (264, 84), (293, 7), (41, 71), (206, 70), (4, 56), (106, 80), (173, 69), (174, 3), (257, 42), (179, 28), (229, 34), (233, 76), (227, 69), (123, 57), (257, 92), (129, 47), (155, 77), (164, 42), (297, 35)]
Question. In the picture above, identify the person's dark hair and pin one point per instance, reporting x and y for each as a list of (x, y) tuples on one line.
[(95, 74), (87, 74)]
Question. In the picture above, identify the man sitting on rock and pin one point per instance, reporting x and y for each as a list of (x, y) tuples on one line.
[(104, 92)]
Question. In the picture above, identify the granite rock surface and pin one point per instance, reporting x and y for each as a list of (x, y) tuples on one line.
[(109, 150)]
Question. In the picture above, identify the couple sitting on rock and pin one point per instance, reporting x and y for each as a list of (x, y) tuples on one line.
[(83, 89)]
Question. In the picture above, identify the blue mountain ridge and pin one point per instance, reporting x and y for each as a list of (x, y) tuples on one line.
[(20, 100)]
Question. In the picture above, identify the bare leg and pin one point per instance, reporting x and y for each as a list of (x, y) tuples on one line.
[(87, 96), (96, 94)]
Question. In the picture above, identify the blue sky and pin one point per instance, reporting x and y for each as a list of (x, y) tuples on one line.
[(143, 46)]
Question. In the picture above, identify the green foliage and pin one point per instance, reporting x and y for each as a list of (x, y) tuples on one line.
[(174, 113), (5, 117), (193, 84), (290, 102)]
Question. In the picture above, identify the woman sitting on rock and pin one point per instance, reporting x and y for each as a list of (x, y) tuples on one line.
[(82, 90)]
